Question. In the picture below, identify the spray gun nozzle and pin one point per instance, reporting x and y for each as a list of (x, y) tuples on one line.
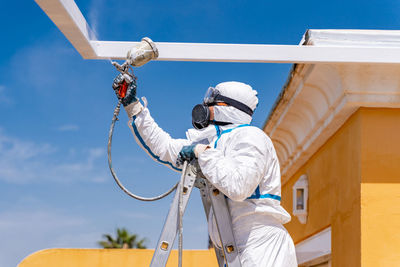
[(121, 68)]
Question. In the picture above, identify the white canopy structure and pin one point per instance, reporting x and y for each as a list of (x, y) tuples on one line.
[(69, 19)]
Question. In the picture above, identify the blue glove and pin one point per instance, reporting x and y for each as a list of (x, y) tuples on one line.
[(186, 154), (130, 95)]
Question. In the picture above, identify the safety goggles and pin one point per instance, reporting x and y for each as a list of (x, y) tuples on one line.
[(213, 96)]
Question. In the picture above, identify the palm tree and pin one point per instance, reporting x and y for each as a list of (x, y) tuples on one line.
[(124, 240)]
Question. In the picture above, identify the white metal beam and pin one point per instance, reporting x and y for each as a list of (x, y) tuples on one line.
[(68, 18), (255, 53)]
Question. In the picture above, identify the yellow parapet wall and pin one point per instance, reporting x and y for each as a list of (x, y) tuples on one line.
[(114, 257)]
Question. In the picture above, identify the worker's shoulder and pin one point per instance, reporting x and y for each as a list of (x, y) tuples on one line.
[(252, 132), (253, 136)]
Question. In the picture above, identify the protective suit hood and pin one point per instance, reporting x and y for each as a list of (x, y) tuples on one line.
[(238, 91)]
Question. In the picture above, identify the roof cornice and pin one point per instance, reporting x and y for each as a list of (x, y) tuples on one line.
[(318, 98)]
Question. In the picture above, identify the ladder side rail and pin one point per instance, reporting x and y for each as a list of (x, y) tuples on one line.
[(224, 225), (205, 198), (170, 229)]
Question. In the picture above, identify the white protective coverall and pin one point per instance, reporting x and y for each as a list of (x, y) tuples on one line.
[(242, 163)]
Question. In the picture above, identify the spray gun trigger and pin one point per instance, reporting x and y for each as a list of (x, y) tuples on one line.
[(122, 89)]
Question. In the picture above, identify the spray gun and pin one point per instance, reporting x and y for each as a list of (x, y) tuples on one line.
[(139, 55)]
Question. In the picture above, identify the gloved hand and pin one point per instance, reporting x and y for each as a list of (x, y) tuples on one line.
[(130, 95), (189, 153), (186, 154)]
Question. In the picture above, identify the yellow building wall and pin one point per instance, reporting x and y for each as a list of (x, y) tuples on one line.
[(334, 177), (354, 187), (114, 257), (380, 188)]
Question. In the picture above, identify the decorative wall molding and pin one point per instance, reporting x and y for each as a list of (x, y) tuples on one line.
[(317, 101)]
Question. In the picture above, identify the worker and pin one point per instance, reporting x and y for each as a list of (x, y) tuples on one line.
[(238, 159)]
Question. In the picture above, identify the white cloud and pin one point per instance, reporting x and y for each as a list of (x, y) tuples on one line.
[(48, 220), (23, 162), (39, 65), (135, 215), (68, 128), (29, 231)]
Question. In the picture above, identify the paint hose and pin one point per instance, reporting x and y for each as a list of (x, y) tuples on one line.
[(114, 175)]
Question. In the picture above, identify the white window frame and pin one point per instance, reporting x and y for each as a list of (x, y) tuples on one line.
[(301, 214)]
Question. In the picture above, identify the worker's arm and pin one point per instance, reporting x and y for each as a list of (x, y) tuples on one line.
[(154, 140), (239, 168), (157, 143)]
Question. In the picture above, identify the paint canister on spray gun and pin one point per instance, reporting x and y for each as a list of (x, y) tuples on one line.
[(142, 53)]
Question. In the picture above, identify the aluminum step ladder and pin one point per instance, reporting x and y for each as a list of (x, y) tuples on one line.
[(212, 198)]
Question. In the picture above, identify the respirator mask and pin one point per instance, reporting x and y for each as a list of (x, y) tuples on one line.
[(201, 112)]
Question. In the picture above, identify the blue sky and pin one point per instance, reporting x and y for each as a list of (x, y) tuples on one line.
[(55, 109)]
